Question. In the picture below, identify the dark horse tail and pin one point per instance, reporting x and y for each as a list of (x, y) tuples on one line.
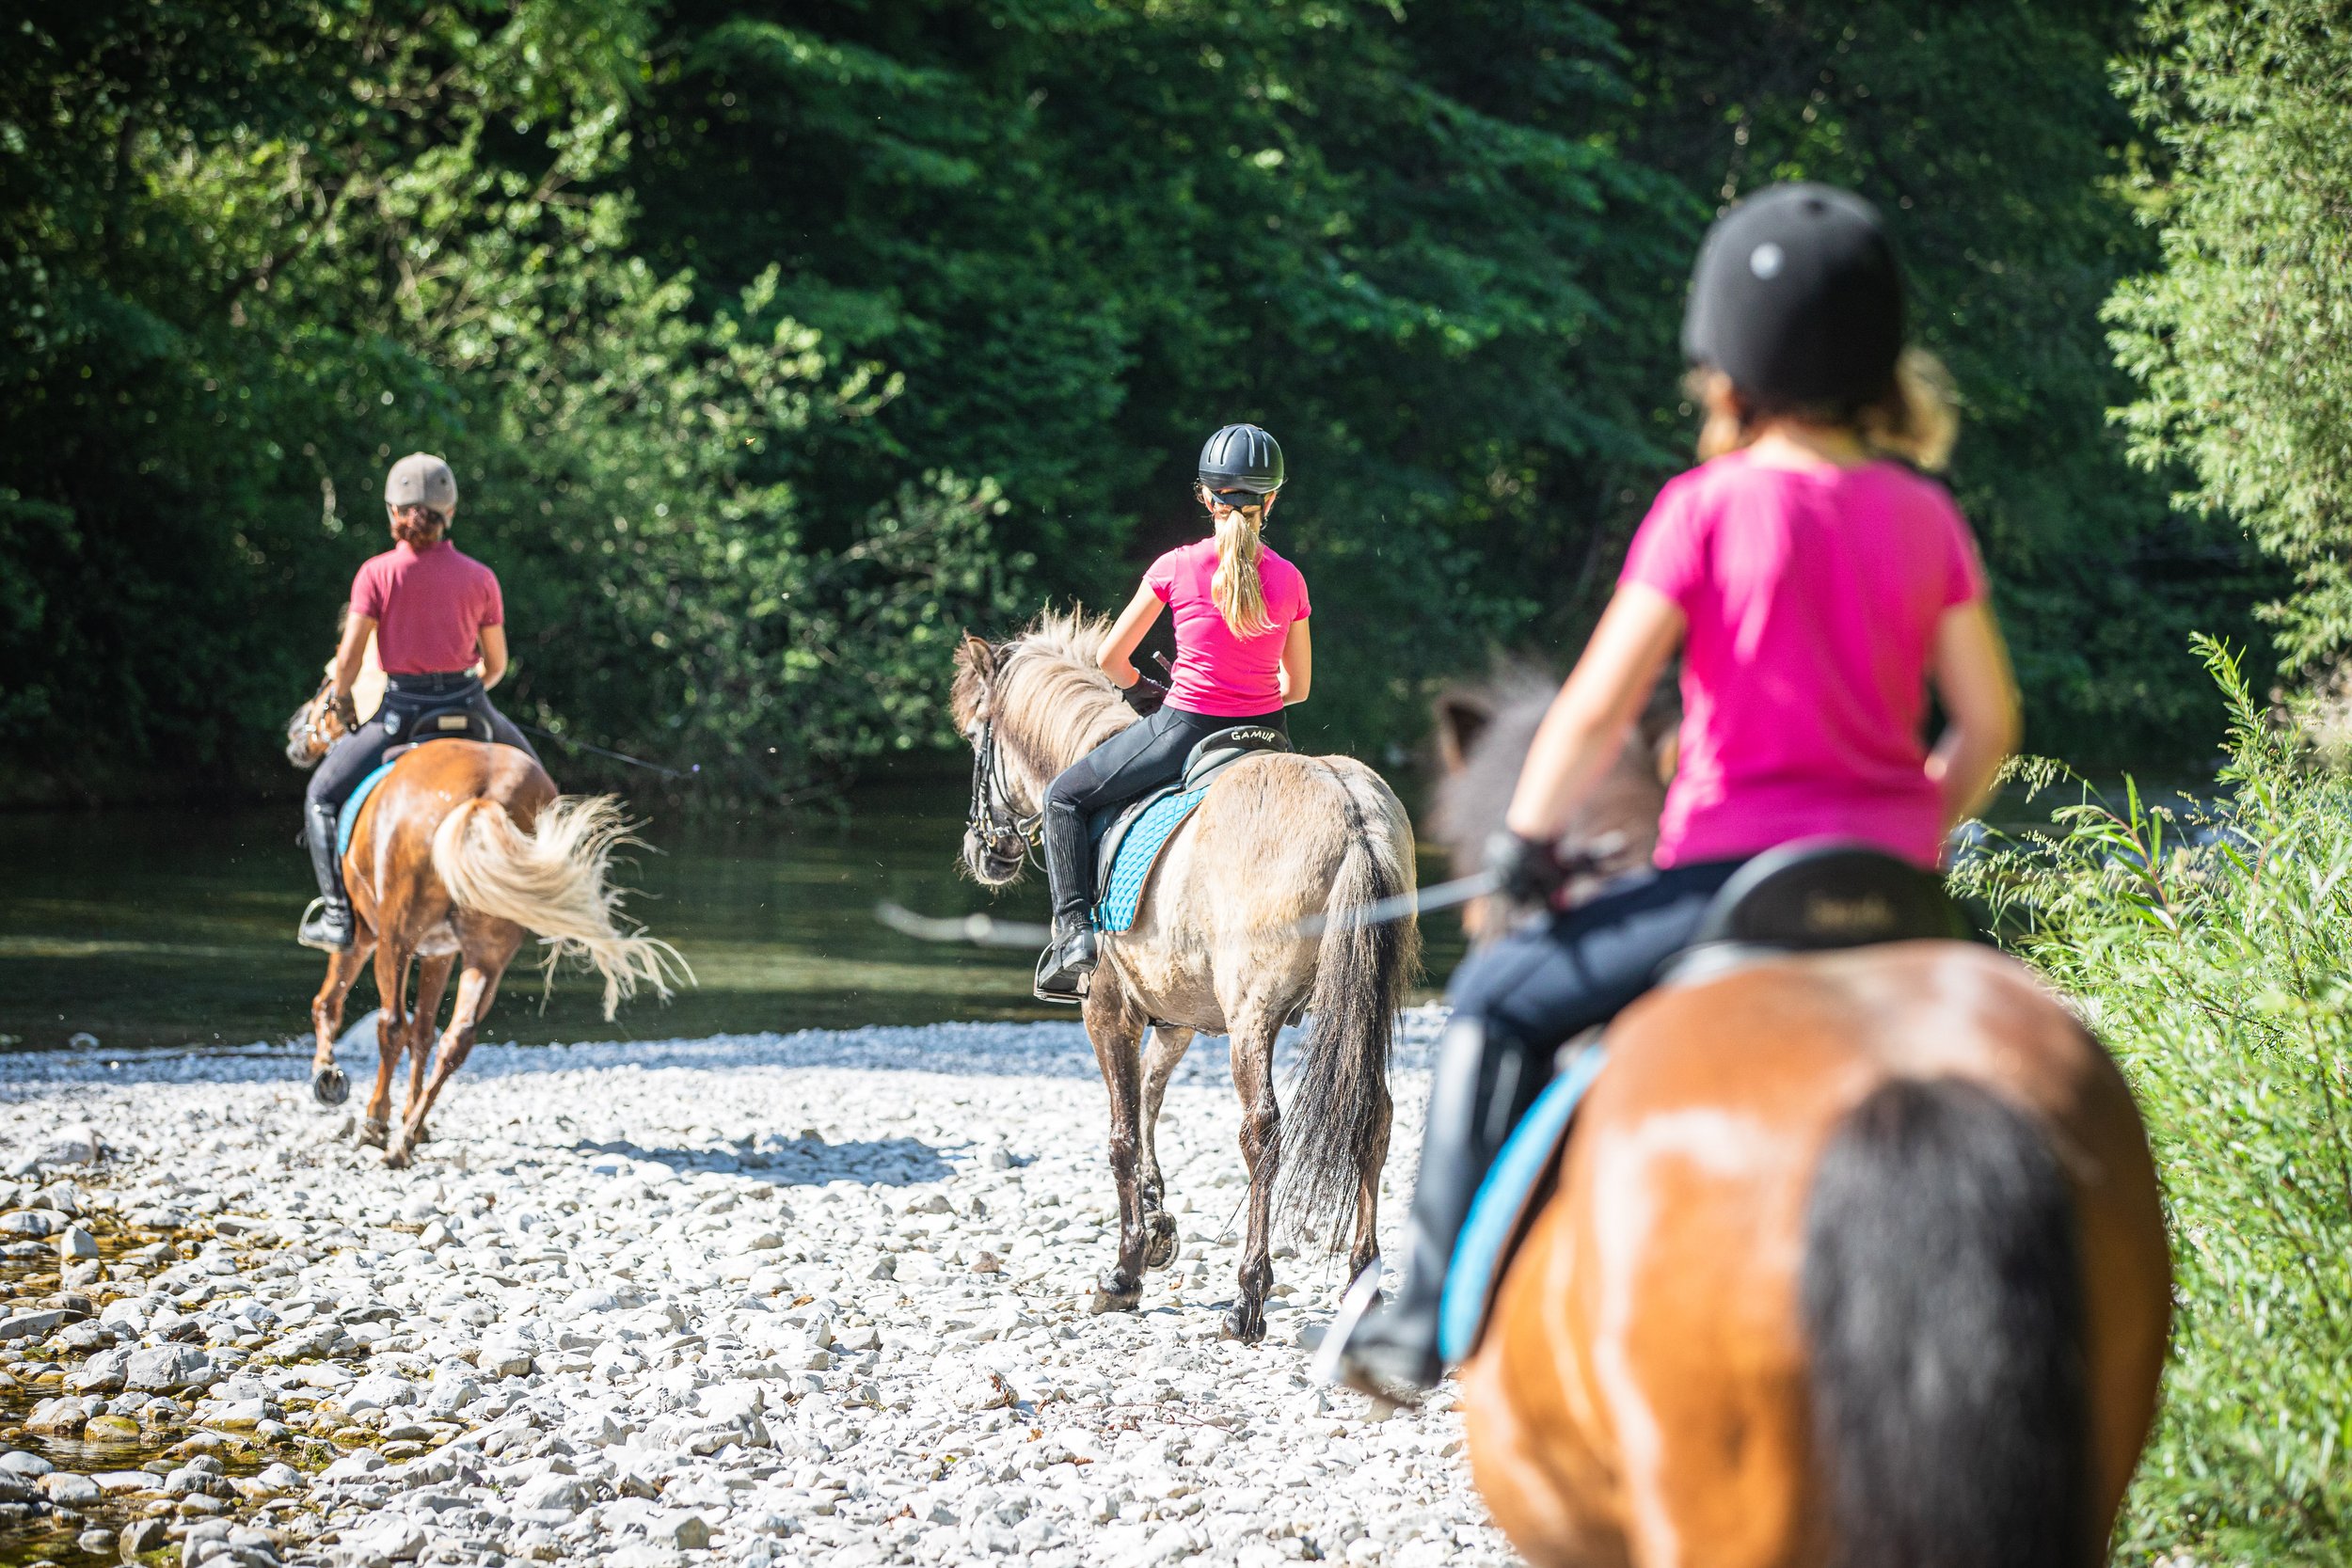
[(1944, 1308), (1336, 1126)]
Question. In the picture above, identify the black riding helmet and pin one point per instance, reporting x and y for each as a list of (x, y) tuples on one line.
[(1242, 457), (1797, 299)]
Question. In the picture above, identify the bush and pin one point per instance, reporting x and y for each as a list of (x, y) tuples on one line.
[(2210, 946)]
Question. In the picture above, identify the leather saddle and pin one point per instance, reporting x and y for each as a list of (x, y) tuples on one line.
[(459, 720), (1213, 753), (1814, 895), (1809, 897)]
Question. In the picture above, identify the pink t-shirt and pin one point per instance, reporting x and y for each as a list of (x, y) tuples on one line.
[(1217, 674), (1813, 596), (429, 607)]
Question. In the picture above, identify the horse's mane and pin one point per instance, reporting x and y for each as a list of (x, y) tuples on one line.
[(1054, 703)]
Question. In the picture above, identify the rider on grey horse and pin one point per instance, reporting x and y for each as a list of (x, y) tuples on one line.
[(434, 613)]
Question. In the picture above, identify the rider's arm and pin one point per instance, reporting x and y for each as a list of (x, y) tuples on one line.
[(493, 656), (353, 652), (1125, 633), (1980, 696), (1587, 723), (1298, 664)]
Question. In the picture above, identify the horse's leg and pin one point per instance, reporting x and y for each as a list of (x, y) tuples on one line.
[(328, 1086), (1367, 1245), (391, 1037), (1262, 1151), (432, 984), (476, 990), (1162, 1052), (1115, 1028)]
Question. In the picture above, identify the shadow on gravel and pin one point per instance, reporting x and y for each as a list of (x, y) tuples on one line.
[(807, 1160), (1036, 1049)]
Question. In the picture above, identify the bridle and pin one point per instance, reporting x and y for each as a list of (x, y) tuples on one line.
[(1004, 833)]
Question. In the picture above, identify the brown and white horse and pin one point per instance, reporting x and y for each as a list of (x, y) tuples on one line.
[(462, 851), (1854, 1259), (1279, 841)]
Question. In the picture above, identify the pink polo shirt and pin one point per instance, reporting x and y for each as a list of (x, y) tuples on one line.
[(429, 607), (1813, 596), (1217, 674)]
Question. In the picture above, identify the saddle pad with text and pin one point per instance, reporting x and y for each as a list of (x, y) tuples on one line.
[(1138, 852), (1495, 1225), (351, 809)]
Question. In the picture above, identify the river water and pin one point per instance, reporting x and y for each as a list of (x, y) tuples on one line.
[(173, 928)]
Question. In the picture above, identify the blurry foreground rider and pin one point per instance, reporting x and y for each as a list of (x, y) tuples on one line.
[(435, 615), (1817, 585), (1242, 654)]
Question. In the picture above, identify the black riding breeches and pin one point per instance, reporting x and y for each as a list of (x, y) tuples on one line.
[(1139, 758), (1536, 988), (358, 754)]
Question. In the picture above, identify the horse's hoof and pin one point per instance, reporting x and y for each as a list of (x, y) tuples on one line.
[(374, 1133), (328, 1086), (1110, 1295), (1245, 1322), (421, 1135), (395, 1159), (1159, 1241)]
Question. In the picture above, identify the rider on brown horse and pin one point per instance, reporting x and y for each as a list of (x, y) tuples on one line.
[(1242, 656), (432, 612), (1815, 591)]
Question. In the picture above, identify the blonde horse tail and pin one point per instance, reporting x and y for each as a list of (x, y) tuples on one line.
[(554, 880), (1335, 1132)]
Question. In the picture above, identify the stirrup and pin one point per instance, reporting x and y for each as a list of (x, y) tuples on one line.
[(1334, 1365), (303, 932), (1074, 982)]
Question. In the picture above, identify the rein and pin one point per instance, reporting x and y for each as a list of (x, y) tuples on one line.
[(1008, 834)]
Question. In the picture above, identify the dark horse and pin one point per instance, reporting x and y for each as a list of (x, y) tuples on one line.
[(1853, 1260)]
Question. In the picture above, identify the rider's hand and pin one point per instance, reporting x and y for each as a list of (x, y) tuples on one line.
[(1146, 695), (1526, 870), (346, 711)]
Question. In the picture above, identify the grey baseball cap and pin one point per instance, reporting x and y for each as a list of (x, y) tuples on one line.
[(420, 478)]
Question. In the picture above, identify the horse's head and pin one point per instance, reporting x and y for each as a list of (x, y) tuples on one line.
[(1483, 734), (314, 727), (996, 828)]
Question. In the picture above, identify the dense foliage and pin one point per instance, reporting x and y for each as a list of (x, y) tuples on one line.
[(2211, 946), (2243, 341), (772, 346)]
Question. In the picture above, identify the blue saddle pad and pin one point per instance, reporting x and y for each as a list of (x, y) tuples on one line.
[(1137, 853), (1493, 1225), (351, 809)]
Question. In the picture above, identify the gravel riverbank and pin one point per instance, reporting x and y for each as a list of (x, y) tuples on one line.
[(809, 1298)]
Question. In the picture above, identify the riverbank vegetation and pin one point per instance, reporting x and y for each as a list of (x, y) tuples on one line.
[(773, 348), (2210, 947)]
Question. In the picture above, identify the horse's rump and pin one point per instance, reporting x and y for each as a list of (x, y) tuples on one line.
[(1856, 1259)]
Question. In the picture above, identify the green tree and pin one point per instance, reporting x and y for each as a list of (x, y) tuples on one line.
[(238, 302), (2006, 210), (2242, 339)]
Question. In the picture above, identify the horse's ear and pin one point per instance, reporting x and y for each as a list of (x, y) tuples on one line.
[(1462, 717), (976, 655)]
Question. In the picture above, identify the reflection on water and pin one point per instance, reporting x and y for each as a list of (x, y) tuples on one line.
[(175, 926)]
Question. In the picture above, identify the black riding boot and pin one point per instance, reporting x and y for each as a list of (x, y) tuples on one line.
[(327, 925), (1476, 1094), (1068, 959)]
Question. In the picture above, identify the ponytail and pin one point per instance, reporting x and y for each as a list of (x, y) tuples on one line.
[(1236, 589)]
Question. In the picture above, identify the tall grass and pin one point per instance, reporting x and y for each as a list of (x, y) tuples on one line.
[(2211, 947)]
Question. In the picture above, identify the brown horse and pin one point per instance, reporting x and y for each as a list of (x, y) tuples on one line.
[(463, 850), (1854, 1258), (1220, 943)]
